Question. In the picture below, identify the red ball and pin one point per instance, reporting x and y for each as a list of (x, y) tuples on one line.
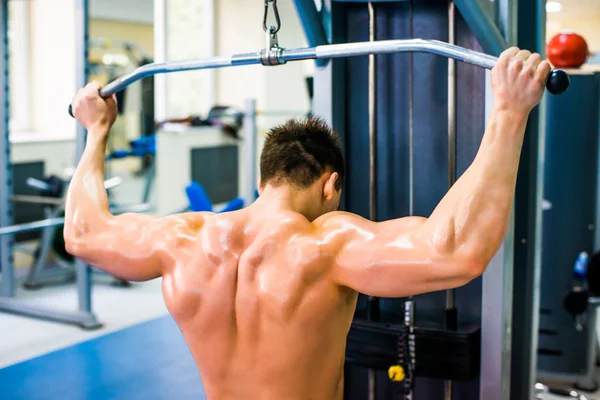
[(567, 50)]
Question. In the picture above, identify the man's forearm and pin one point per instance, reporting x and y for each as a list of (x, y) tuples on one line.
[(472, 219), (87, 202)]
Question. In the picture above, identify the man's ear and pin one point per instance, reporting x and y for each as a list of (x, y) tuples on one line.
[(329, 187), (259, 187)]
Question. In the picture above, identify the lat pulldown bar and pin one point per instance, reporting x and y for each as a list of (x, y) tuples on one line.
[(557, 83)]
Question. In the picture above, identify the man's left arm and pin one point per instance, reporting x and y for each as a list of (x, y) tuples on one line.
[(134, 247)]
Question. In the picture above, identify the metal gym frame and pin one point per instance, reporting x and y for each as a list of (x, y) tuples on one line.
[(83, 316)]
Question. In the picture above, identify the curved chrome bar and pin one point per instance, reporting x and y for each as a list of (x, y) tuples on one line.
[(392, 46), (406, 46), (162, 68), (557, 84), (321, 52)]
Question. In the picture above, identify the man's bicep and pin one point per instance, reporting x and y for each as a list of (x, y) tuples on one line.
[(385, 260)]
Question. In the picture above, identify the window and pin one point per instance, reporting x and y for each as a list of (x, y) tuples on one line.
[(18, 68)]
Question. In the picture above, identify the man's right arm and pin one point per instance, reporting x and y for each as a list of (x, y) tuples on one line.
[(134, 247), (455, 244)]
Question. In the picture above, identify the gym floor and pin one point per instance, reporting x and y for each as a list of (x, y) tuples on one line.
[(116, 308), (138, 354)]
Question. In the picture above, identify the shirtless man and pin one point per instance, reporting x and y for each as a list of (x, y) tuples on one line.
[(265, 296)]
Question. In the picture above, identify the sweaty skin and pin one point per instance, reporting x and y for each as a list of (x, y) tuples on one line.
[(265, 296)]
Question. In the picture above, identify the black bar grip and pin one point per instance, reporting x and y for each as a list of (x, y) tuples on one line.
[(558, 82), (71, 111)]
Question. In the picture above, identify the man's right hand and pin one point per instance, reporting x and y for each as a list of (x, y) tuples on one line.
[(92, 111), (519, 80)]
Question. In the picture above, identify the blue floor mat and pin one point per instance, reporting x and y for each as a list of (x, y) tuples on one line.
[(146, 361)]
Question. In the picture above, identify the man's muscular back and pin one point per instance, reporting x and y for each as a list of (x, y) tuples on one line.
[(254, 298)]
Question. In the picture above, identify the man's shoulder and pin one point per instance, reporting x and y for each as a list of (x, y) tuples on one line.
[(337, 220), (333, 230), (190, 220)]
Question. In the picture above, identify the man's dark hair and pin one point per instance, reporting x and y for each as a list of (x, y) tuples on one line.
[(299, 152)]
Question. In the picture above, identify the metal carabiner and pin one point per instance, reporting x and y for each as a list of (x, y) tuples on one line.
[(266, 14)]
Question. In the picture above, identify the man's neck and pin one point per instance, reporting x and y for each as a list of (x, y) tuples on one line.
[(286, 198)]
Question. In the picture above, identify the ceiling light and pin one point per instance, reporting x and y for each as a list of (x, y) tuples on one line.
[(553, 7)]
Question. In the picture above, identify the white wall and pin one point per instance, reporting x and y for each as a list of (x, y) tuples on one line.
[(189, 35), (19, 65), (138, 11), (53, 60), (239, 30), (286, 85), (42, 67)]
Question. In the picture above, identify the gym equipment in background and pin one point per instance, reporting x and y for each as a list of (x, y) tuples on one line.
[(145, 149), (225, 117), (116, 58), (199, 200)]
